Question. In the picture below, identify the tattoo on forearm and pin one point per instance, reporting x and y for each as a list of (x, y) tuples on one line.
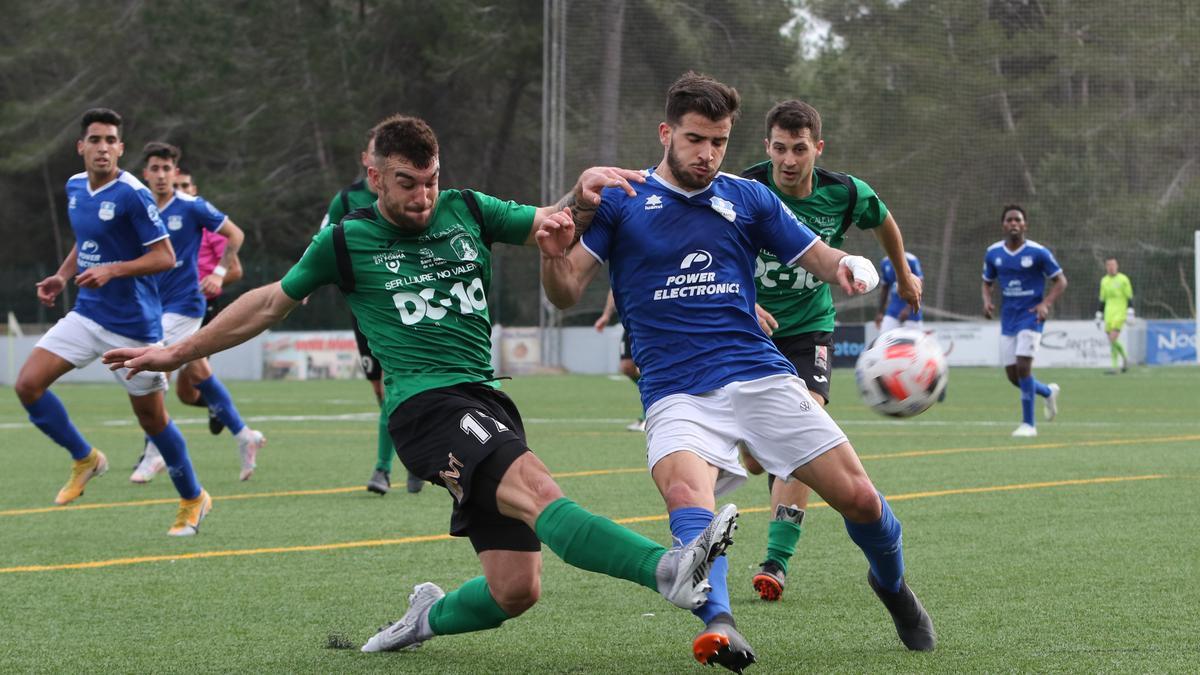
[(581, 213)]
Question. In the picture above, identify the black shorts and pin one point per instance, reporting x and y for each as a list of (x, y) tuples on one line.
[(212, 309), (366, 358), (812, 356), (626, 347), (464, 437)]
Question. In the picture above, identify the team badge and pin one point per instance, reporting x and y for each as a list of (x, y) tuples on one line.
[(997, 262), (464, 248), (1026, 261), (393, 266), (723, 207), (107, 210), (174, 223), (821, 362)]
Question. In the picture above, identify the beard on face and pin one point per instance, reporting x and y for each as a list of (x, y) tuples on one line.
[(685, 178)]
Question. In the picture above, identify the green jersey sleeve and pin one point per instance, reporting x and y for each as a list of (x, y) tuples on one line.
[(315, 268), (505, 221), (870, 211), (335, 212)]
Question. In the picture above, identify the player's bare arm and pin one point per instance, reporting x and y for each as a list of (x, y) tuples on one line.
[(249, 315), (159, 257), (988, 308), (908, 285), (584, 198), (766, 320), (884, 291), (855, 274), (567, 268), (49, 288), (1058, 284), (610, 308)]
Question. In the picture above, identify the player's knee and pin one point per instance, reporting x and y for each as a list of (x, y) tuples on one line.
[(862, 504), (681, 494), (28, 389), (516, 598), (153, 421)]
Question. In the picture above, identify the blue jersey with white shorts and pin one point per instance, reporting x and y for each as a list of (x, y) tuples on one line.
[(116, 223), (887, 275), (1021, 275), (186, 218), (681, 266)]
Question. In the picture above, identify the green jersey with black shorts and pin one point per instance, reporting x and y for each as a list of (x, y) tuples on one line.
[(801, 303)]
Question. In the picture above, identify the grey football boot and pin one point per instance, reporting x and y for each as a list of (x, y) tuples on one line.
[(682, 573)]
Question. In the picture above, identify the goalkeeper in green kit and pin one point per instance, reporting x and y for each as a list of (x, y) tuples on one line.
[(1116, 307)]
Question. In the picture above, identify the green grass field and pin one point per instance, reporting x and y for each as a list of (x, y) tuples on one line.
[(1075, 551)]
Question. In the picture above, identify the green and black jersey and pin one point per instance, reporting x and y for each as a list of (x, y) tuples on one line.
[(421, 299), (800, 302), (354, 196)]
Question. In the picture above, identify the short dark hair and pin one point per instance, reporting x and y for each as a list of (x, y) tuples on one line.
[(102, 115), (1013, 207), (794, 115), (162, 151), (408, 137), (697, 93)]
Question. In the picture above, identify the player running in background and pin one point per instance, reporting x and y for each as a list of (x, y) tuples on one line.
[(357, 195), (1116, 307), (186, 217), (796, 308), (681, 261), (625, 365), (894, 311), (120, 244), (415, 267), (1022, 266)]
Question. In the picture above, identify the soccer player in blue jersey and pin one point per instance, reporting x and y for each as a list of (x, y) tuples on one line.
[(894, 311), (183, 303), (120, 243), (1022, 266), (681, 257)]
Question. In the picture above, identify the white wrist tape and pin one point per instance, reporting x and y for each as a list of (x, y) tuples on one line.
[(863, 271), (220, 270)]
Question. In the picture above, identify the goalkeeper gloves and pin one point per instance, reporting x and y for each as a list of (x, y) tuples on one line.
[(1129, 314)]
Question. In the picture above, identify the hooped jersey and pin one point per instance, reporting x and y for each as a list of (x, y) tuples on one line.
[(115, 223), (799, 301), (681, 265), (1021, 275), (187, 218), (420, 299), (887, 277)]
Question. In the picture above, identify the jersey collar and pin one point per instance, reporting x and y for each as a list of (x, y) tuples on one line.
[(677, 190), (102, 188)]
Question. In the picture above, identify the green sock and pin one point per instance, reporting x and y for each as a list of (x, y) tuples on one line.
[(469, 608), (597, 544), (1119, 350), (782, 536), (386, 450), (1112, 351)]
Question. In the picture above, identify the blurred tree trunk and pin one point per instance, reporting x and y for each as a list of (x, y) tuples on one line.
[(610, 84)]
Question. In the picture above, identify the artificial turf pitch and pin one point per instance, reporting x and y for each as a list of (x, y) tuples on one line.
[(1076, 551)]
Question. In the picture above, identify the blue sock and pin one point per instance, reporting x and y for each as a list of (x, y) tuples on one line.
[(881, 542), (1027, 393), (48, 414), (219, 401), (179, 466), (686, 524), (1041, 389)]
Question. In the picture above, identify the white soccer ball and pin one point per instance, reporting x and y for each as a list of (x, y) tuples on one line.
[(902, 373)]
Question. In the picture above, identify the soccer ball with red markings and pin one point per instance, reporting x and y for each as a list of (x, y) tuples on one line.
[(902, 373)]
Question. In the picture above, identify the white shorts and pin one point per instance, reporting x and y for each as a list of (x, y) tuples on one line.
[(176, 327), (79, 341), (1024, 343), (775, 417), (892, 323)]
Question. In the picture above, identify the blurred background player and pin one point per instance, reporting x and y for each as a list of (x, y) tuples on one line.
[(356, 195), (120, 244), (626, 365), (1116, 307), (795, 308), (183, 303), (212, 249), (1022, 266), (894, 311)]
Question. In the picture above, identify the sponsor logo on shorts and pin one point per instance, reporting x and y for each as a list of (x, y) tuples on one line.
[(821, 362), (451, 476)]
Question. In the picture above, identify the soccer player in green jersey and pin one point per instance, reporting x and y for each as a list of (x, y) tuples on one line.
[(415, 267), (1116, 307), (795, 308), (358, 195)]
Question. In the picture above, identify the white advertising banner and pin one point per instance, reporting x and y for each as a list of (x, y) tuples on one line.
[(1065, 344), (316, 355), (968, 344)]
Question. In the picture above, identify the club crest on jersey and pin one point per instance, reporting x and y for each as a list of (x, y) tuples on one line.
[(393, 266), (71, 202), (998, 262), (723, 207), (653, 202), (107, 210), (700, 260), (174, 223), (464, 248), (1026, 261)]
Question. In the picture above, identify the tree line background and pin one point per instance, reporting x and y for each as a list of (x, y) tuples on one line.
[(1084, 111)]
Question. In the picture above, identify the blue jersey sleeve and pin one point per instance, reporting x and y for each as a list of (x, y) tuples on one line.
[(779, 230), (914, 264), (209, 216), (989, 270), (143, 213), (887, 275), (1050, 266), (599, 236)]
